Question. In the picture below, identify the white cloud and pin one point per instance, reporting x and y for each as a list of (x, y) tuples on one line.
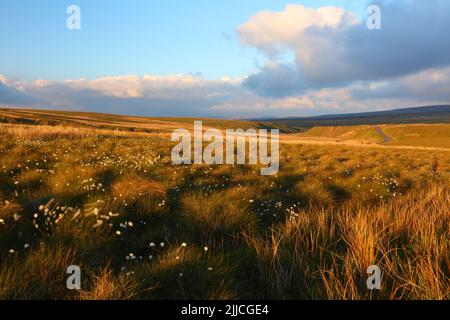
[(273, 31), (186, 95), (334, 49), (155, 86), (5, 81)]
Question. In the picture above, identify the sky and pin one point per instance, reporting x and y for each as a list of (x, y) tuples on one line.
[(224, 58)]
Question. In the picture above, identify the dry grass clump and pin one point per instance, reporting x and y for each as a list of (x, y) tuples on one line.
[(328, 252), (215, 213), (8, 209), (187, 273), (107, 286), (41, 275), (132, 188), (141, 195)]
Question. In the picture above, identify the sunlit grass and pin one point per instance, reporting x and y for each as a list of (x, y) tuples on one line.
[(141, 228)]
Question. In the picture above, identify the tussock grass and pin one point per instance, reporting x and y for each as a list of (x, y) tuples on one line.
[(141, 228), (187, 273), (215, 213), (107, 286), (28, 279), (327, 252)]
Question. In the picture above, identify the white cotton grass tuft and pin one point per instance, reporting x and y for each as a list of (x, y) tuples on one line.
[(98, 224)]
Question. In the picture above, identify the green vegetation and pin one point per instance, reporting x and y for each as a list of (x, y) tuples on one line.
[(141, 228), (432, 135), (416, 135), (359, 133)]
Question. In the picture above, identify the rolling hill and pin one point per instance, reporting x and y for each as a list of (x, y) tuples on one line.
[(418, 115), (415, 127)]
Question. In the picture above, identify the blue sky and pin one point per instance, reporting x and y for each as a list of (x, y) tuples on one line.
[(131, 37), (224, 58)]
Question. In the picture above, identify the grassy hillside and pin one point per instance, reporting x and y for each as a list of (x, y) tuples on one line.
[(426, 115), (432, 135), (110, 121), (416, 135), (358, 133)]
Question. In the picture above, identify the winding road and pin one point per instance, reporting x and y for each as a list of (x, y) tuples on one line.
[(386, 138)]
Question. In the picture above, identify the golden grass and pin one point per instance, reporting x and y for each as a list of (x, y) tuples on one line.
[(107, 286), (52, 132), (413, 135), (141, 228), (359, 133), (331, 250)]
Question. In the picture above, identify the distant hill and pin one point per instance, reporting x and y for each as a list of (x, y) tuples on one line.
[(111, 121), (429, 114), (420, 115)]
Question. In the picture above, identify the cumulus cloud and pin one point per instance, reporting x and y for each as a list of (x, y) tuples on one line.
[(148, 95), (188, 95), (153, 86), (428, 87), (276, 80), (334, 49), (432, 83), (272, 32), (12, 95)]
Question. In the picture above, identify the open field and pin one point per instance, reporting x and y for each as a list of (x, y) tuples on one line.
[(94, 191), (412, 135)]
